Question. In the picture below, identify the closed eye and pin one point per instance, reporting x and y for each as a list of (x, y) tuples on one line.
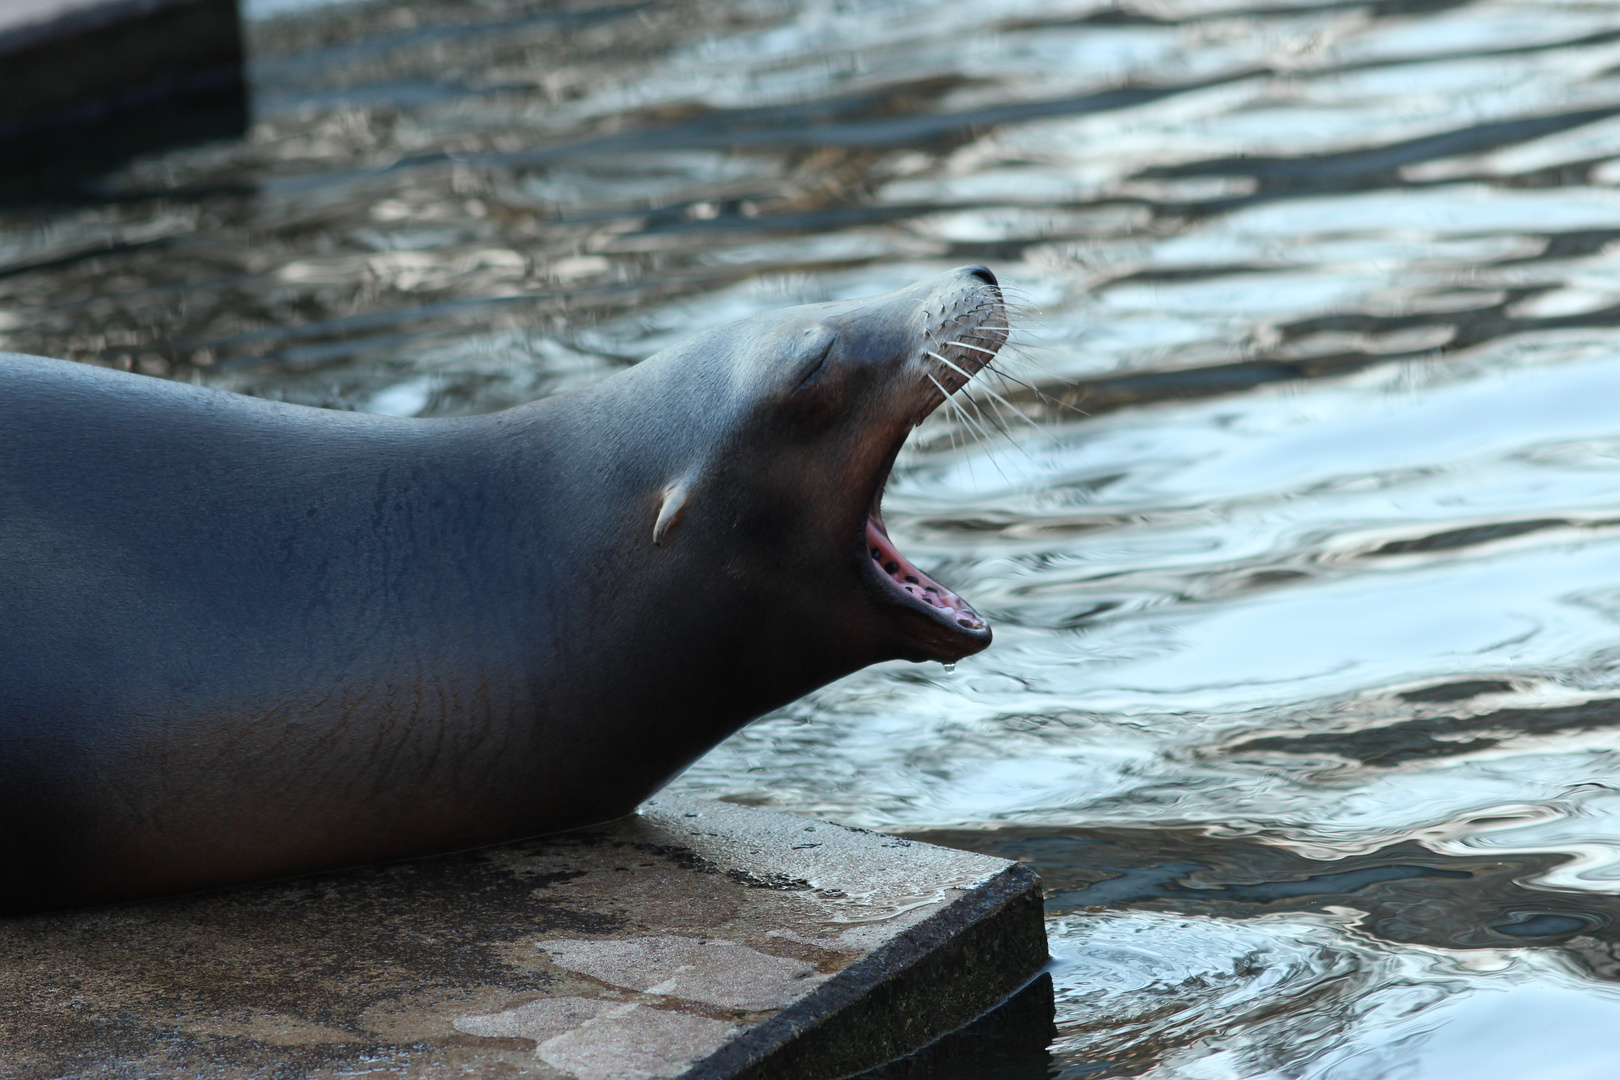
[(814, 365)]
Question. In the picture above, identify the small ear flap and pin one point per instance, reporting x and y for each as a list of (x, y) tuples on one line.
[(670, 511)]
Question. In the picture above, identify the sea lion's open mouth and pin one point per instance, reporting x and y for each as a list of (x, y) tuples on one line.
[(913, 583), (961, 341)]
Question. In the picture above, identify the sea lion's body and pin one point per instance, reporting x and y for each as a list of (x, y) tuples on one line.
[(242, 639)]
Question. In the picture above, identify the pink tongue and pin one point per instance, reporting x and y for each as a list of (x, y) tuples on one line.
[(916, 583)]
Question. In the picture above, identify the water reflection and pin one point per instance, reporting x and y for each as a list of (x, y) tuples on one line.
[(1304, 688)]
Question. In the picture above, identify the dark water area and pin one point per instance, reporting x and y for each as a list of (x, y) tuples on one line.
[(1305, 575)]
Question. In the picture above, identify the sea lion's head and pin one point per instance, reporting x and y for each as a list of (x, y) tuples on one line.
[(804, 411)]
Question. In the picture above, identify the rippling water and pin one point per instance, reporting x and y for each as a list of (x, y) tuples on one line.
[(1307, 587)]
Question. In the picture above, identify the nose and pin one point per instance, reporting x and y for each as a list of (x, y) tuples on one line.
[(982, 273)]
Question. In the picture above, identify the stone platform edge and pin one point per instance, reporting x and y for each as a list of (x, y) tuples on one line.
[(931, 980)]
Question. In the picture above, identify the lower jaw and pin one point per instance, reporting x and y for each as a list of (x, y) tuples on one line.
[(915, 586)]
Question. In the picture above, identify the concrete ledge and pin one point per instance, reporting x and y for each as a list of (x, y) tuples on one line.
[(923, 984), (697, 940)]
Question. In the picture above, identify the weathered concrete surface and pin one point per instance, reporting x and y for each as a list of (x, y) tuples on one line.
[(696, 939), (68, 61)]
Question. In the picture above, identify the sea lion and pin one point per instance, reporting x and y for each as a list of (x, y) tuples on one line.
[(241, 639)]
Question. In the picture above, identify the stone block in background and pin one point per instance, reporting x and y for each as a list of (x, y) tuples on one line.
[(86, 83), (695, 939)]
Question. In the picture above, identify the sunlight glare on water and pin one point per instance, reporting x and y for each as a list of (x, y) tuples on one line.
[(1306, 592)]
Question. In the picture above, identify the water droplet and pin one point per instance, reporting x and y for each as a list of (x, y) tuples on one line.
[(950, 669)]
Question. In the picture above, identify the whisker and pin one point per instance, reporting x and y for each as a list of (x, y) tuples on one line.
[(976, 348), (1009, 381), (955, 408), (966, 375), (1017, 356), (999, 420), (993, 421), (954, 401), (1005, 375), (945, 395), (1026, 318), (964, 391), (1016, 411), (1015, 443), (991, 392)]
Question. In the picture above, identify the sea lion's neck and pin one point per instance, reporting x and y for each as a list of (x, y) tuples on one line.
[(692, 640)]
